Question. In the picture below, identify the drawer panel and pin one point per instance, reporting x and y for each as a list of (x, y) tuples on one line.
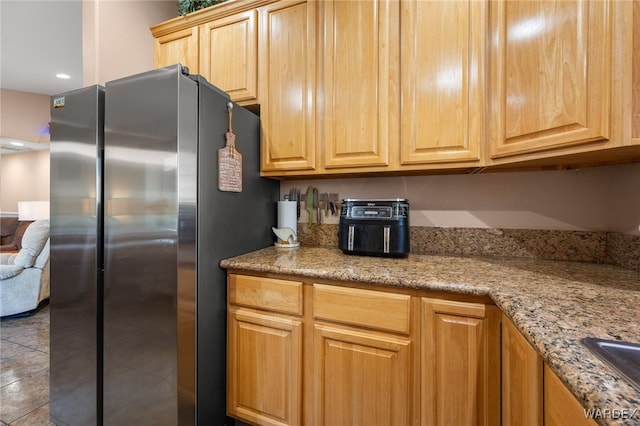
[(367, 308), (266, 293)]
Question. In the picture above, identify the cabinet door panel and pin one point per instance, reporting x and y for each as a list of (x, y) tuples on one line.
[(229, 55), (287, 85), (178, 47), (460, 363), (264, 371), (359, 82), (442, 73), (361, 378), (560, 406), (521, 379), (550, 74)]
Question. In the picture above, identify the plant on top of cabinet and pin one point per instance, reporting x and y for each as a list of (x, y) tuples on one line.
[(188, 6)]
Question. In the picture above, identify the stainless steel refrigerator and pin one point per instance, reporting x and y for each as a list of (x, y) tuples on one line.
[(138, 228)]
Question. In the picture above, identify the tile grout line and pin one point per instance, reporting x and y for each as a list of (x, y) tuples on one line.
[(25, 346), (26, 414)]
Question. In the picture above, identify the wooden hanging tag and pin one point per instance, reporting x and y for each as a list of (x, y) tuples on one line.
[(230, 161)]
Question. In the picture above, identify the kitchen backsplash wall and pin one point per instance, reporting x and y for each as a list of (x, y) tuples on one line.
[(575, 246), (589, 215)]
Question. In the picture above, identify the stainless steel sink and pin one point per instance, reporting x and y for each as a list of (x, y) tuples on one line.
[(623, 357)]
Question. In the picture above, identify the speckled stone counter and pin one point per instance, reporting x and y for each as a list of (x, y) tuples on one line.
[(554, 304)]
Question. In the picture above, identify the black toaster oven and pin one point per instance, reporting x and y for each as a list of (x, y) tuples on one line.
[(374, 227)]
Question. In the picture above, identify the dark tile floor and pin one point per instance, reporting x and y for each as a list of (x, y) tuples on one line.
[(24, 370)]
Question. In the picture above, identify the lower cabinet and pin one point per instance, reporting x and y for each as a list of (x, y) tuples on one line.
[(264, 367), (310, 353), (362, 353), (532, 394), (560, 406), (460, 358), (521, 379), (361, 377), (264, 350)]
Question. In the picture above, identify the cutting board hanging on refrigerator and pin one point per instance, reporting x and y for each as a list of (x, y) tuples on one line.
[(230, 161)]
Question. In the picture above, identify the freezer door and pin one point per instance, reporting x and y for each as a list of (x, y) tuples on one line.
[(149, 295), (76, 256)]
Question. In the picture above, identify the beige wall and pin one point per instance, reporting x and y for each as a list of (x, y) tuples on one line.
[(601, 198), (116, 43), (116, 37), (24, 115), (23, 177), (625, 199)]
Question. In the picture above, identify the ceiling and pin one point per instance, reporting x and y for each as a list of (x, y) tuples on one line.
[(39, 39)]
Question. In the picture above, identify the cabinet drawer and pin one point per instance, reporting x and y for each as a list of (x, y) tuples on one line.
[(368, 308), (266, 293)]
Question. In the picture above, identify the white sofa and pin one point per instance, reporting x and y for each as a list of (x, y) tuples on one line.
[(24, 276)]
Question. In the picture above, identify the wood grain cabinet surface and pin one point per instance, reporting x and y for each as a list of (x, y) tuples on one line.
[(180, 46), (442, 74), (219, 42), (521, 379), (229, 55), (404, 87), (358, 82), (304, 352), (264, 350), (560, 406), (362, 354), (287, 70), (264, 372), (362, 377), (561, 75), (460, 361), (532, 394)]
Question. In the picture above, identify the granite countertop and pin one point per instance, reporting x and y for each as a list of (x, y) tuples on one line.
[(554, 304)]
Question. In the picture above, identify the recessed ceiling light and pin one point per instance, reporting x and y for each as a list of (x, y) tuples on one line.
[(62, 75)]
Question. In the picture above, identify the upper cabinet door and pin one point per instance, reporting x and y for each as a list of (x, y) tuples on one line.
[(178, 47), (229, 55), (358, 90), (550, 74), (442, 73), (287, 85)]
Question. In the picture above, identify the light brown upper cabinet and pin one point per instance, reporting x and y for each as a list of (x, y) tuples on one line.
[(229, 55), (358, 83), (550, 75), (404, 87), (287, 86), (219, 42), (178, 47), (442, 73), (560, 78)]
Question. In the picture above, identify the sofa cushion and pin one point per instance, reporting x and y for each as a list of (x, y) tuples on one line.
[(12, 231), (9, 271), (8, 226), (34, 239)]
